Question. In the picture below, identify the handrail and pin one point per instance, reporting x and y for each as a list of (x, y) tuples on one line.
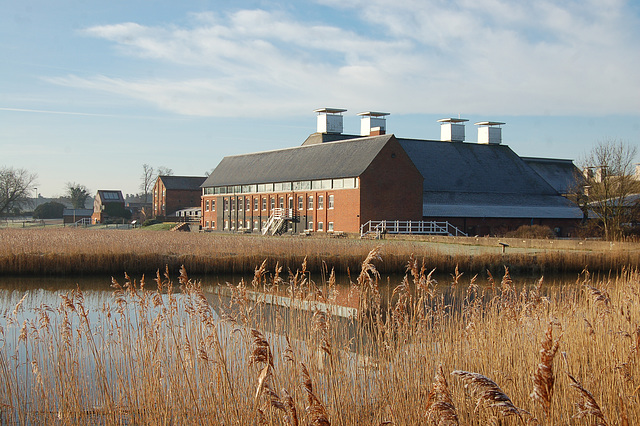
[(428, 227)]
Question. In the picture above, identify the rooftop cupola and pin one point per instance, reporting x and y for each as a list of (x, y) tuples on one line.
[(489, 132), (330, 120), (373, 123), (452, 129)]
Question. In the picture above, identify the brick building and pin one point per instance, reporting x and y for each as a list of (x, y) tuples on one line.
[(173, 193), (339, 182), (104, 200)]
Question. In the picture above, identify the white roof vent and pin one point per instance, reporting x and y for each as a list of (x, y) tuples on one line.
[(330, 120), (489, 132), (373, 120), (452, 129)]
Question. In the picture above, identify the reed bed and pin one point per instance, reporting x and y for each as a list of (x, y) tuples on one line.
[(67, 251), (434, 354)]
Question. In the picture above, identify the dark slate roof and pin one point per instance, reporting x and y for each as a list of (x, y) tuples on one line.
[(106, 196), (563, 175), (191, 183), (308, 162), (481, 180), (473, 168), (315, 138), (77, 212)]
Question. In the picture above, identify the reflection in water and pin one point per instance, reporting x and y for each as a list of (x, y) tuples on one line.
[(61, 348)]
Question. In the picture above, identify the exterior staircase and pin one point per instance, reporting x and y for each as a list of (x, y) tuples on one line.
[(276, 222)]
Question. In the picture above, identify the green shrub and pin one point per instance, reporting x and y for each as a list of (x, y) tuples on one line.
[(50, 210), (149, 222)]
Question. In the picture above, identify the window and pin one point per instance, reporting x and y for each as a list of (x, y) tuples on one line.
[(226, 224), (310, 203), (213, 205), (255, 225), (206, 224), (248, 224), (206, 205), (320, 202), (330, 228), (310, 227), (300, 202), (273, 202), (240, 204), (281, 202), (213, 224), (255, 204), (320, 227), (330, 202), (264, 203), (247, 204)]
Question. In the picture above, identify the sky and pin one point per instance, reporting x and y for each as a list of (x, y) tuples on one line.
[(92, 90)]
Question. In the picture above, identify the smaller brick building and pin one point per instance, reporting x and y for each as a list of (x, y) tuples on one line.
[(173, 193), (102, 199)]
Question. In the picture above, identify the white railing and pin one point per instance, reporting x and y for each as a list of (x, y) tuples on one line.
[(83, 222), (428, 227), (278, 216)]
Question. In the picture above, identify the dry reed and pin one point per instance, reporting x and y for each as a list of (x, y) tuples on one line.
[(175, 354)]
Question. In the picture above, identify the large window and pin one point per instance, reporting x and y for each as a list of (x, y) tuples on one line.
[(330, 202), (330, 228), (264, 203), (255, 204), (300, 202), (310, 203), (320, 202), (320, 227), (273, 202), (213, 205), (310, 227), (281, 202), (206, 205)]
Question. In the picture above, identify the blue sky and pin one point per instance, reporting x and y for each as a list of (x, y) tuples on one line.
[(91, 90)]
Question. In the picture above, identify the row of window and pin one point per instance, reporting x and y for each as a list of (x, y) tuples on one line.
[(247, 225), (301, 185), (210, 205)]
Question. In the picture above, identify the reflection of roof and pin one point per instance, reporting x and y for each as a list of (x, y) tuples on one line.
[(563, 175), (327, 160), (189, 183)]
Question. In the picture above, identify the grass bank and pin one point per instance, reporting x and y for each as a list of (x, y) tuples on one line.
[(68, 251), (500, 356)]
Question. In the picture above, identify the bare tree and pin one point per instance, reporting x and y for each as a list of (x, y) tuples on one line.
[(77, 194), (147, 180), (15, 187), (609, 180), (149, 177)]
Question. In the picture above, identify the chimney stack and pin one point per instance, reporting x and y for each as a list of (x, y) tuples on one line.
[(373, 123), (452, 129), (330, 120), (489, 132)]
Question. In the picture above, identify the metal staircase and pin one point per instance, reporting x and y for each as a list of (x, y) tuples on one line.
[(377, 228), (276, 222)]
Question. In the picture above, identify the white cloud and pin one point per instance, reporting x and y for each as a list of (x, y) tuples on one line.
[(478, 56)]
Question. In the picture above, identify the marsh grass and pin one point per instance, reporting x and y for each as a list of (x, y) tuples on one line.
[(66, 251), (167, 353)]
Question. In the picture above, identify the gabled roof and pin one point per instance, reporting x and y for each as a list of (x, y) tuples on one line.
[(327, 160), (473, 168), (563, 175), (189, 183), (483, 180)]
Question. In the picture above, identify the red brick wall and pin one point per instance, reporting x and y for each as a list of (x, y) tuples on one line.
[(168, 201), (391, 187), (344, 214), (498, 226)]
